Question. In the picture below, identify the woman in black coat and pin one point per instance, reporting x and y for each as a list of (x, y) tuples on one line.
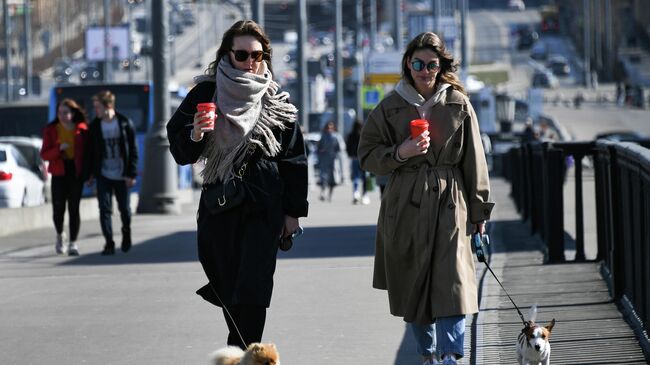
[(256, 143)]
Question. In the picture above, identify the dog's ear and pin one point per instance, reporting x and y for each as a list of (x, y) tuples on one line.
[(255, 347), (549, 327)]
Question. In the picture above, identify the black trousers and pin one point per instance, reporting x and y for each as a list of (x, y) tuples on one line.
[(250, 321), (105, 189), (67, 189)]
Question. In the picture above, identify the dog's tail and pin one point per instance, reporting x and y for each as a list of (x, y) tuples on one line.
[(532, 313), (230, 355)]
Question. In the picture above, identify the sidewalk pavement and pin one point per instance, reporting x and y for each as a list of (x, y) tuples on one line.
[(140, 307)]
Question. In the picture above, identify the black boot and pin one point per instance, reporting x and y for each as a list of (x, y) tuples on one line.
[(126, 239), (109, 249)]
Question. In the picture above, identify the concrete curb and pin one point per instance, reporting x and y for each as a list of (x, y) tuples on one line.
[(15, 220)]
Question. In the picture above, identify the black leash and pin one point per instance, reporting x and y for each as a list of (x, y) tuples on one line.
[(480, 244)]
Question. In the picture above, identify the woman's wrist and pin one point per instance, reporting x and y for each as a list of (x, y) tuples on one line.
[(194, 137)]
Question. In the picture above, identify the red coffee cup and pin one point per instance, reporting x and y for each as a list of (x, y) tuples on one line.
[(418, 126), (207, 107)]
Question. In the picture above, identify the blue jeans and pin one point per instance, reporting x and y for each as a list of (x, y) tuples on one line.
[(449, 333), (358, 176), (105, 189)]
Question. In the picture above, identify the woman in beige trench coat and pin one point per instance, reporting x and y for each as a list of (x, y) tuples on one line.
[(436, 197)]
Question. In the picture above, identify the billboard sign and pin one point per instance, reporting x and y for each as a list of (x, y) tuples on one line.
[(118, 43)]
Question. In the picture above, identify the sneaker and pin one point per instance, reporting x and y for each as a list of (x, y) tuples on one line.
[(126, 240), (356, 196), (73, 250), (365, 200), (109, 249), (59, 246)]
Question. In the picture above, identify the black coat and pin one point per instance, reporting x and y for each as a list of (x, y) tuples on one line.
[(95, 150), (238, 248)]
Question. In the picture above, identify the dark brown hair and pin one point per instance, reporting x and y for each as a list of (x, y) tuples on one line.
[(78, 113), (448, 65), (242, 27), (106, 98)]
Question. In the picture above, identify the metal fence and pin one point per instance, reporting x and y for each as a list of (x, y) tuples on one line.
[(537, 172)]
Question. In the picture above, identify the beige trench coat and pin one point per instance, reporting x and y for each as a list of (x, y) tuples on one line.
[(423, 255)]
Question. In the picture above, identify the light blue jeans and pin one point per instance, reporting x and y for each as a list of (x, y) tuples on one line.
[(445, 336)]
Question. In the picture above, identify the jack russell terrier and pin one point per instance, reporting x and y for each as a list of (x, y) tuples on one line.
[(533, 346)]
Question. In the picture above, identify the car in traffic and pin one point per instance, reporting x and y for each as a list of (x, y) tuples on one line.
[(527, 38), (62, 71), (19, 185), (90, 73), (517, 5), (559, 65), (539, 51)]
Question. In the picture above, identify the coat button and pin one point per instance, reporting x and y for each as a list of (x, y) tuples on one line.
[(451, 206)]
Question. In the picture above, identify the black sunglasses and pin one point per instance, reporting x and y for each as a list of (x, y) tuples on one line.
[(241, 55), (418, 65)]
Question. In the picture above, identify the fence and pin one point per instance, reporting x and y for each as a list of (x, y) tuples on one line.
[(537, 173)]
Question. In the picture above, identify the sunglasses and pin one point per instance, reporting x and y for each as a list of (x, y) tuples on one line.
[(241, 55), (418, 65)]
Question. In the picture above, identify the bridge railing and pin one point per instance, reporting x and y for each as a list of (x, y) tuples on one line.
[(537, 172)]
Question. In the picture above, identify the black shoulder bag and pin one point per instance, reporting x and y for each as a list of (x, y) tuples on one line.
[(220, 197)]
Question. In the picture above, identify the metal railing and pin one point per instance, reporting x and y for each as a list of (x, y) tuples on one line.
[(537, 172)]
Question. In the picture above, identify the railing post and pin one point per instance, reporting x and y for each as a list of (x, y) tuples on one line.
[(554, 210), (580, 226)]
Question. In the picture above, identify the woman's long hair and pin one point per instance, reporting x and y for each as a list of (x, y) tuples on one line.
[(240, 28), (448, 65), (78, 113)]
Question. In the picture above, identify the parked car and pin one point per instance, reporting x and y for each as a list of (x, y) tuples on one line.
[(545, 79), (517, 5), (19, 185), (559, 65), (539, 51), (30, 148)]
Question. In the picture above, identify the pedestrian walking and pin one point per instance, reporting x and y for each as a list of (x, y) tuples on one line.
[(437, 195), (255, 177), (112, 162), (330, 169), (64, 141), (357, 175)]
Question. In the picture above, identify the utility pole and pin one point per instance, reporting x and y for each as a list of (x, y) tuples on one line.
[(359, 58), (373, 24), (5, 20), (587, 42), (159, 189), (28, 47), (609, 49), (258, 12), (62, 29), (107, 41), (130, 4), (338, 42), (463, 39), (199, 15), (303, 85), (398, 26), (436, 6)]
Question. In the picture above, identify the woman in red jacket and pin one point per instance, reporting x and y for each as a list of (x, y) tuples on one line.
[(63, 146)]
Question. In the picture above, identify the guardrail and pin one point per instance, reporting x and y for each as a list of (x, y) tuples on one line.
[(537, 172)]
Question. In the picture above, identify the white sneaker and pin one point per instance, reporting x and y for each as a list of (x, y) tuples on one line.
[(73, 250), (59, 246), (356, 196), (365, 200)]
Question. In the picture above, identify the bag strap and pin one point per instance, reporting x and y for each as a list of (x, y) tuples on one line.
[(250, 150)]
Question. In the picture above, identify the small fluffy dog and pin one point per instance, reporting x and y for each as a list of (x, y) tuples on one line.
[(533, 347), (255, 354)]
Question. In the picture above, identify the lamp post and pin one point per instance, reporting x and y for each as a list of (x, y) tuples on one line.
[(159, 189)]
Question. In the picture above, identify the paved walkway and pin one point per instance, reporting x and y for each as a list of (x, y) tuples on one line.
[(140, 307)]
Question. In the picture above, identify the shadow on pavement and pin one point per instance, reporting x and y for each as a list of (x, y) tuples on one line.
[(316, 242)]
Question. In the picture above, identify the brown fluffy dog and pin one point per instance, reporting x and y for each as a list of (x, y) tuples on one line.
[(255, 354)]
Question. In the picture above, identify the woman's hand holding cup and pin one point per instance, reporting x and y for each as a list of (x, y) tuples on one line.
[(204, 119), (414, 146)]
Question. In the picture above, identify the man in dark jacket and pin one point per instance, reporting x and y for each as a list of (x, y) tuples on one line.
[(111, 160)]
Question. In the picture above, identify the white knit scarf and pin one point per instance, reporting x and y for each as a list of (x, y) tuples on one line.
[(249, 107)]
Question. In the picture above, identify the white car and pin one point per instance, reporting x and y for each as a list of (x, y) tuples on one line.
[(19, 185), (517, 5), (30, 147)]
